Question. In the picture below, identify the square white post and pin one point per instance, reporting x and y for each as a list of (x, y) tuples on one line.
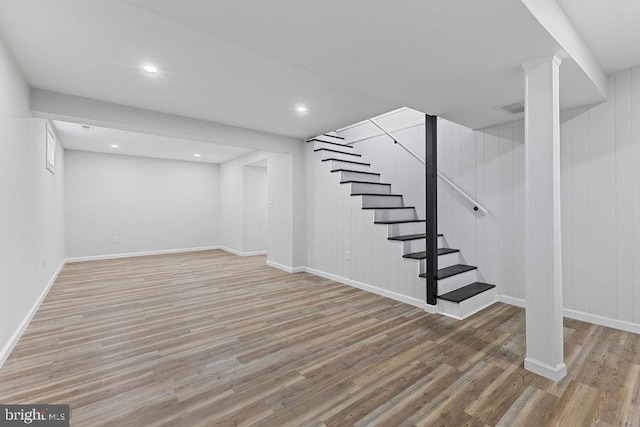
[(545, 354)]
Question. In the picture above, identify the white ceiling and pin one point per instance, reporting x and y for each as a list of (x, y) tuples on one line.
[(611, 29), (456, 59), (95, 49), (100, 140), (249, 63)]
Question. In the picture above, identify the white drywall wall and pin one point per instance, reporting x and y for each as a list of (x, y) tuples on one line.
[(148, 204), (32, 213)]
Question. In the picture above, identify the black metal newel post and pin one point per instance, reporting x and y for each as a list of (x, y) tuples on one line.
[(431, 154)]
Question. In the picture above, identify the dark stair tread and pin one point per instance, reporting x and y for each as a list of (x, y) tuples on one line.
[(351, 170), (347, 161), (354, 181), (399, 221), (444, 251), (466, 292), (423, 254), (333, 136), (390, 207), (411, 237), (329, 142), (376, 194), (337, 151), (443, 273)]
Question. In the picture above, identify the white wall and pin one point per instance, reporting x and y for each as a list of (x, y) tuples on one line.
[(299, 201), (32, 213), (255, 225), (280, 208), (394, 164), (600, 163), (150, 204), (336, 223), (489, 165), (601, 203), (482, 163)]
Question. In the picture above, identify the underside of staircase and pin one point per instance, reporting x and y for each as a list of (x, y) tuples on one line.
[(460, 291)]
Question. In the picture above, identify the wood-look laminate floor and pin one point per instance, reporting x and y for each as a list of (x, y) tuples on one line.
[(209, 338)]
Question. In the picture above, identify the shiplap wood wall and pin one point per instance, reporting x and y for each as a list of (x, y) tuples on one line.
[(600, 166), (600, 189), (601, 203), (489, 165), (336, 223)]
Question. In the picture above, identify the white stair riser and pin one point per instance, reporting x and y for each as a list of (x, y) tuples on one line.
[(419, 245), (340, 156), (336, 164), (345, 149), (360, 187), (446, 260), (456, 282), (373, 201), (469, 306), (407, 229), (358, 176), (395, 214)]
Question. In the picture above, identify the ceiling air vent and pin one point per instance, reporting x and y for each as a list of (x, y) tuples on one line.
[(515, 108)]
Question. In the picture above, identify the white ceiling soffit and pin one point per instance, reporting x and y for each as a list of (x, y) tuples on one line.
[(457, 59), (553, 18), (74, 136), (611, 28), (69, 108), (96, 49)]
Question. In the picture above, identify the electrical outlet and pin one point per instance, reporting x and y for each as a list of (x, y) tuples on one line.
[(348, 255), (116, 239)]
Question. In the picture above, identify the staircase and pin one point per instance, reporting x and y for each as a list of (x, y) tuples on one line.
[(460, 291)]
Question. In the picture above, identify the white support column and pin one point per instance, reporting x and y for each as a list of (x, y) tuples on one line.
[(545, 355)]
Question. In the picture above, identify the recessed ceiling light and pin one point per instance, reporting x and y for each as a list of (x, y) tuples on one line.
[(196, 155), (115, 146), (301, 109), (150, 69)]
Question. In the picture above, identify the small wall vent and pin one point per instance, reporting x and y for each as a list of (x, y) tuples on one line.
[(86, 127), (515, 108)]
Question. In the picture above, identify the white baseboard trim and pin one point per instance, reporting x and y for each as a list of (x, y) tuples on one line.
[(286, 267), (554, 373), (518, 302), (13, 340), (243, 254), (431, 309), (139, 254), (369, 288), (602, 321), (582, 316)]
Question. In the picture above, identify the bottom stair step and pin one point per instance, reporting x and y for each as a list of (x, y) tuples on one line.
[(466, 292), (462, 305)]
